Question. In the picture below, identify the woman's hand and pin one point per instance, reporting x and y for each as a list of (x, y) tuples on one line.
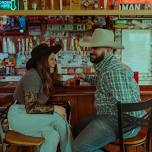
[(60, 110)]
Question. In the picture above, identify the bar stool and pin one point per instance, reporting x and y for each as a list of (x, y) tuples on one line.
[(127, 122), (11, 137)]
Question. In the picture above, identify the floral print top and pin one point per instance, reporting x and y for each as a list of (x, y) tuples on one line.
[(29, 91)]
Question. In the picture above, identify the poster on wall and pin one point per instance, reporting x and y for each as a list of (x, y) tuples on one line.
[(9, 4)]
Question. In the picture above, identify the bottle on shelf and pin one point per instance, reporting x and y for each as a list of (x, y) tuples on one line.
[(74, 4), (43, 4), (25, 2), (4, 45), (18, 55), (23, 56), (52, 4)]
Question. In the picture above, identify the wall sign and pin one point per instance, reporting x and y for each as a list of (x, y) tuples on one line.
[(132, 1), (146, 6), (9, 4), (135, 6)]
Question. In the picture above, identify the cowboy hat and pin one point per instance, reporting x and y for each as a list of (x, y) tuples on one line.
[(101, 38), (40, 51)]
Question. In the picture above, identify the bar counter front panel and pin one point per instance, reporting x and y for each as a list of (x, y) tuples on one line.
[(81, 98)]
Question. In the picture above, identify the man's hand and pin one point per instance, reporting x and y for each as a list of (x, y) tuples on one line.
[(80, 75)]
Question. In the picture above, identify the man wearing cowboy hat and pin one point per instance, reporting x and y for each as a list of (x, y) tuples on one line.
[(114, 82)]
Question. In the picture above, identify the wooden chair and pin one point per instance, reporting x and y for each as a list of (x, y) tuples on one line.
[(9, 137), (127, 123)]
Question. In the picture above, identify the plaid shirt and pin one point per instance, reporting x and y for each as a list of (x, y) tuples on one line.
[(114, 82)]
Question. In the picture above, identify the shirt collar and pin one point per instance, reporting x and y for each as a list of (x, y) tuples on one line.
[(102, 63)]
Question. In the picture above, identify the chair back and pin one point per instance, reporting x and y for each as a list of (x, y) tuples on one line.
[(127, 122)]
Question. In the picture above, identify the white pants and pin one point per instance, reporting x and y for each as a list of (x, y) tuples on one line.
[(52, 127)]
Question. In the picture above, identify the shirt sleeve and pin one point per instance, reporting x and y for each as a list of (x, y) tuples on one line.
[(34, 100), (91, 79), (33, 106)]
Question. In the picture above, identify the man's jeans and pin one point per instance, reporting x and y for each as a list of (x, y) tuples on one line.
[(94, 134)]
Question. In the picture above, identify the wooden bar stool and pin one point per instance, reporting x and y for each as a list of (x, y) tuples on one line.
[(11, 137), (128, 122)]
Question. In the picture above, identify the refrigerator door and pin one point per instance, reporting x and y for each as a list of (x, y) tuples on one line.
[(138, 50)]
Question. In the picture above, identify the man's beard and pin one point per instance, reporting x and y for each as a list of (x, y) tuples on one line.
[(97, 59)]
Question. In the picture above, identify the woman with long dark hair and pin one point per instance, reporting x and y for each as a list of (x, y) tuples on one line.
[(30, 114)]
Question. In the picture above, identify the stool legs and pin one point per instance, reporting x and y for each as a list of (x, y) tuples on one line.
[(5, 147)]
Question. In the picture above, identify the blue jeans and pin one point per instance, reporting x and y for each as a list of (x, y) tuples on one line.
[(95, 134), (52, 127)]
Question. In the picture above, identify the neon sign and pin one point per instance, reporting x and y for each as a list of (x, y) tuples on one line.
[(9, 4)]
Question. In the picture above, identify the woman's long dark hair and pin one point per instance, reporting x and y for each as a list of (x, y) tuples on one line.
[(48, 79)]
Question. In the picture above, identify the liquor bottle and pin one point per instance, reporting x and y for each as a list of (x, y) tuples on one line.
[(43, 4), (75, 4), (23, 56), (105, 4), (52, 4), (25, 4), (4, 47), (61, 5), (18, 55)]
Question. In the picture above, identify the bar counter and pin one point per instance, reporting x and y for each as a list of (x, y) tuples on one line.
[(81, 97)]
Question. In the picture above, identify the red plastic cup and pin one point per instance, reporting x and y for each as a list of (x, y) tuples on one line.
[(136, 76)]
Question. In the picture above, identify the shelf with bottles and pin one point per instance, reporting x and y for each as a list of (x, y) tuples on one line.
[(14, 53), (74, 70), (74, 7), (133, 23), (38, 30), (36, 25), (56, 4), (72, 62), (12, 25), (13, 33), (78, 13)]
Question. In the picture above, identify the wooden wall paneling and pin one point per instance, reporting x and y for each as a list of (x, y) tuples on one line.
[(146, 92), (146, 88), (146, 96), (74, 109), (85, 106)]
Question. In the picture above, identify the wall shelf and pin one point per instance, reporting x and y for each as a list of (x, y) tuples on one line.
[(76, 12)]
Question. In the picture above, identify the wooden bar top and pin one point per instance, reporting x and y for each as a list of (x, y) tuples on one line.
[(83, 88), (6, 99)]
